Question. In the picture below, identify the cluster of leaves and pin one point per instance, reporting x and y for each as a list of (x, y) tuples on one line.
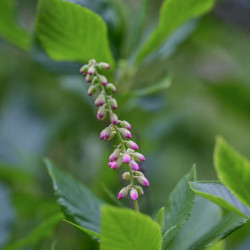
[(119, 228)]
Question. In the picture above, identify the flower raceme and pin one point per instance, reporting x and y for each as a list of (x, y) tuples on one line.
[(125, 150)]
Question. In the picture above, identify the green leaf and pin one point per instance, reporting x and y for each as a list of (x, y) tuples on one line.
[(163, 84), (219, 194), (160, 217), (111, 195), (69, 32), (10, 29), (179, 208), (125, 229), (233, 170), (79, 204), (205, 226), (205, 216), (227, 225), (173, 14), (84, 230), (45, 230), (220, 245)]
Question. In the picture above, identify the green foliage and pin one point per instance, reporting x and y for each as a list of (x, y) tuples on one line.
[(160, 216), (15, 175), (85, 230), (233, 170), (221, 195), (10, 28), (162, 85), (44, 230), (125, 229), (69, 32), (205, 226), (173, 14), (180, 205), (78, 203), (223, 228)]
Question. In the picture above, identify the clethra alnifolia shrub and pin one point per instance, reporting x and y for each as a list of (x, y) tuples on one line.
[(125, 151)]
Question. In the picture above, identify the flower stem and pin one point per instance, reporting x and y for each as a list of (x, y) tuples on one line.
[(122, 145)]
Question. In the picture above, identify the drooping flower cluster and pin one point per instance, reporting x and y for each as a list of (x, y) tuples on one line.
[(125, 151)]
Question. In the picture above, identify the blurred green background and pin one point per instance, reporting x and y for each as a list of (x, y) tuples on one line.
[(45, 111)]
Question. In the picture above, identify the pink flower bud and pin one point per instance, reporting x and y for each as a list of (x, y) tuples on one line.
[(110, 163), (126, 125), (113, 103), (115, 155), (114, 118), (123, 193), (103, 65), (111, 87), (101, 113), (139, 157), (126, 158), (125, 133), (88, 78), (105, 134), (143, 181), (133, 194), (133, 165), (103, 80), (91, 70), (139, 190), (83, 69), (100, 100), (91, 90), (112, 135), (116, 164), (126, 176), (132, 145)]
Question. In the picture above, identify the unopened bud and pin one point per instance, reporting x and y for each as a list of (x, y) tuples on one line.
[(133, 194), (126, 176), (126, 125), (132, 145), (95, 80), (125, 133), (103, 65), (143, 181), (133, 165), (88, 78), (116, 164), (113, 103), (123, 193), (105, 134), (111, 87), (101, 113), (91, 70), (114, 118), (138, 173), (115, 155), (100, 100), (139, 190), (139, 157), (83, 69), (103, 80), (126, 158), (112, 135), (91, 90)]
